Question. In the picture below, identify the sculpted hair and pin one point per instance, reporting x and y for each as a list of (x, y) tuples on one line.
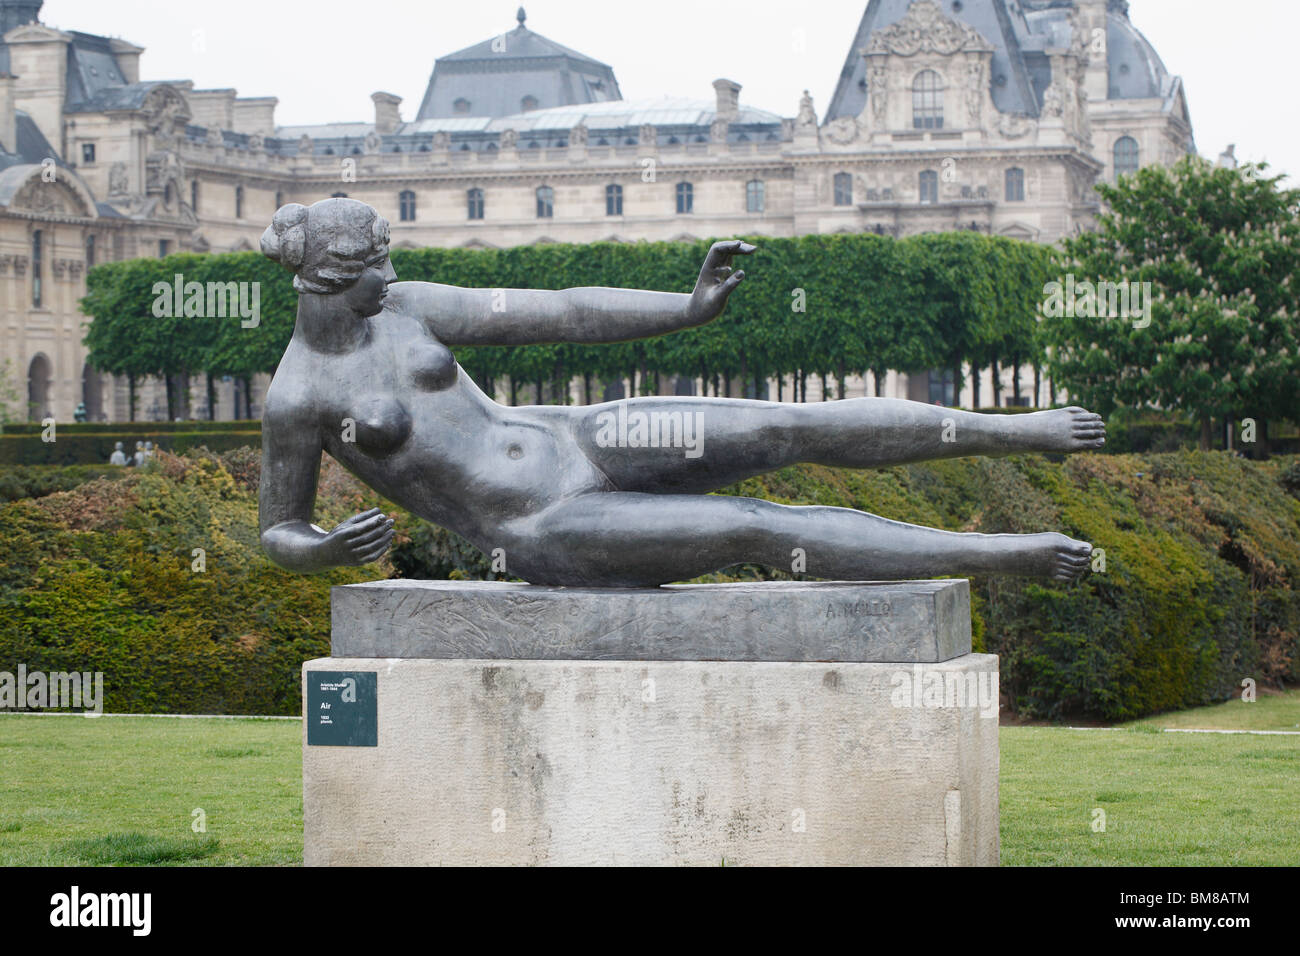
[(327, 245)]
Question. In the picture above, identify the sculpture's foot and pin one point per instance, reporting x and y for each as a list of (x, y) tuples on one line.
[(1052, 555), (1062, 430)]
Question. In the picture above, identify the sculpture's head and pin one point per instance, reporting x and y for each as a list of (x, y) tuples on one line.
[(335, 246)]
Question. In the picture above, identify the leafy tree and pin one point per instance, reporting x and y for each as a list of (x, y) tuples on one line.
[(1221, 251)]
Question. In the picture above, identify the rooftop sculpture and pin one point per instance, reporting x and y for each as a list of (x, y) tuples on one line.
[(579, 495)]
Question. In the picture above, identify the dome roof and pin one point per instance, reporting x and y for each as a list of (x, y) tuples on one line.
[(1136, 70)]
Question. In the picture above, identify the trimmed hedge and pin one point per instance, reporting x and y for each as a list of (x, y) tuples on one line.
[(143, 428)]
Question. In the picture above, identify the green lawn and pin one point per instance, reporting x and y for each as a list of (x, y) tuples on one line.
[(117, 789)]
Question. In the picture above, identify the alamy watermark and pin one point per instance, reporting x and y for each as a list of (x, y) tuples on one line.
[(926, 687), (211, 300), (635, 428), (39, 690), (1098, 300)]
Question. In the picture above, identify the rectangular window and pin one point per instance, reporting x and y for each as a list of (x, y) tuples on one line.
[(90, 253), (929, 187), (164, 248), (755, 198), (36, 268), (88, 153)]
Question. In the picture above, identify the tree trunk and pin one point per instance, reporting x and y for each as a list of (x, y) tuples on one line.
[(1205, 433), (586, 388), (1015, 382), (975, 386), (514, 391), (997, 386), (248, 396), (170, 384), (879, 375), (212, 398), (130, 396), (780, 387), (840, 391), (1038, 382)]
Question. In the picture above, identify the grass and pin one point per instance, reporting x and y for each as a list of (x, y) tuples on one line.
[(124, 791)]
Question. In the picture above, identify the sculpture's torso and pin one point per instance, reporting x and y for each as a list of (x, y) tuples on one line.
[(400, 414)]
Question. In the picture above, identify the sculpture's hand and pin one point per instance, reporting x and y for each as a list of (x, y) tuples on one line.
[(717, 280), (361, 539)]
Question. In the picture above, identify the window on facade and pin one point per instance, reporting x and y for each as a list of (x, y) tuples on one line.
[(90, 253), (460, 107), (36, 268), (943, 390), (194, 196), (685, 198), (843, 189), (475, 200), (164, 248), (239, 202), (929, 183), (406, 205), (613, 200), (1015, 185), (1126, 156), (754, 195), (528, 103), (545, 202), (338, 195), (88, 153), (927, 101)]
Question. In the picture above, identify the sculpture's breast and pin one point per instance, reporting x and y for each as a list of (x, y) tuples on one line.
[(431, 366), (380, 426)]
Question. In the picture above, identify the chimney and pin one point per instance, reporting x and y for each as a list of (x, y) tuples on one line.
[(728, 92), (8, 120), (127, 56), (388, 114)]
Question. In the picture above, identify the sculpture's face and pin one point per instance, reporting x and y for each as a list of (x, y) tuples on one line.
[(366, 295)]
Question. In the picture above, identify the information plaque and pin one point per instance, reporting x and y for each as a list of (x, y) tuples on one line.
[(342, 709)]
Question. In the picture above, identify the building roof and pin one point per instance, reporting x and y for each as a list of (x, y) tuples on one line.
[(494, 77), (1020, 32)]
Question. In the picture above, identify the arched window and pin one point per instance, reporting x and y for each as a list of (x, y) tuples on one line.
[(406, 206), (1126, 156), (36, 268), (685, 198), (528, 103), (1015, 185), (754, 195), (613, 200), (927, 101), (239, 202), (929, 183), (475, 199), (545, 202), (843, 189), (460, 107)]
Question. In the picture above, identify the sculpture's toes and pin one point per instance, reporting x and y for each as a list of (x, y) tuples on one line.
[(1070, 559), (1086, 429)]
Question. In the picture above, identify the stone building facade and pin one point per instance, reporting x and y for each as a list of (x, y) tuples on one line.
[(991, 115)]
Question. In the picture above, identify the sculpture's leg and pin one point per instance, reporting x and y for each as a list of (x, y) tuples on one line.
[(695, 444), (635, 540)]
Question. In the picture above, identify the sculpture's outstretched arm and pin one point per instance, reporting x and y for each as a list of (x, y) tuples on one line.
[(287, 495), (527, 317)]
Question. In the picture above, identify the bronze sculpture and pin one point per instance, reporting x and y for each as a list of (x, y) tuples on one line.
[(587, 495)]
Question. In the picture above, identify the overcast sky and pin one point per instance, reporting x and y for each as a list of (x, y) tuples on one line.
[(323, 59)]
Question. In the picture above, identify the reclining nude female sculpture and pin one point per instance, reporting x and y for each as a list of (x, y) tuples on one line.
[(564, 491)]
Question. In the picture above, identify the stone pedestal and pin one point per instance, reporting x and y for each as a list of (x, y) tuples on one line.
[(805, 748)]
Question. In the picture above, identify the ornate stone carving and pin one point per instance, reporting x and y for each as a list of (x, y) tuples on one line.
[(256, 142), (118, 181), (509, 139), (718, 130), (442, 139), (305, 147), (1014, 126), (373, 141), (974, 91), (878, 93), (59, 267), (842, 131), (165, 111), (578, 135), (5, 262), (807, 115), (648, 135), (74, 269), (20, 265), (39, 196), (215, 137), (925, 29)]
